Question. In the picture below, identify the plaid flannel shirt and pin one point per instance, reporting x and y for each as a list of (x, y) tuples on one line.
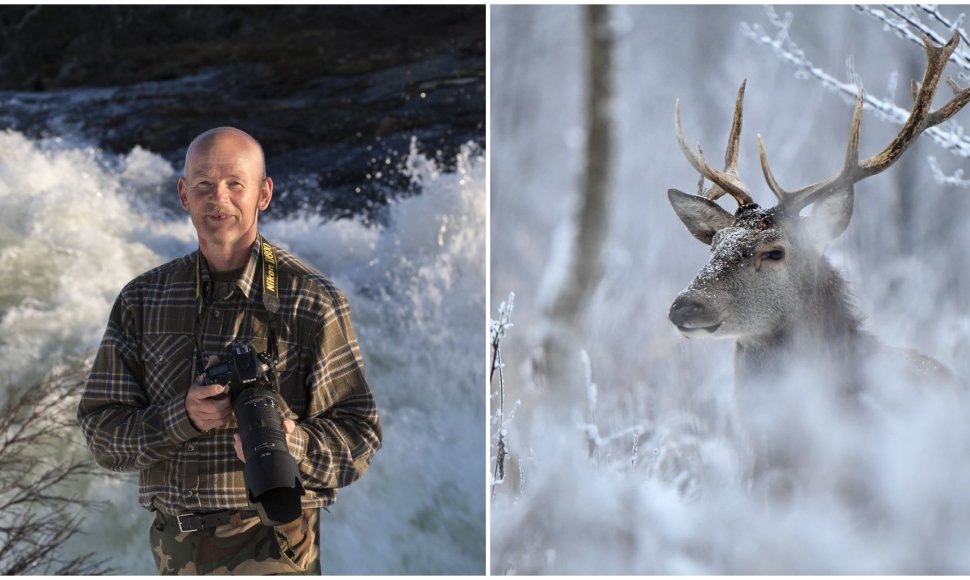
[(133, 413)]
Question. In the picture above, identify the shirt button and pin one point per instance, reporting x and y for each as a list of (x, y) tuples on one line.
[(190, 447), (216, 314), (189, 493)]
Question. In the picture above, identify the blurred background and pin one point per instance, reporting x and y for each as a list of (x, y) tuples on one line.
[(663, 492), (373, 123)]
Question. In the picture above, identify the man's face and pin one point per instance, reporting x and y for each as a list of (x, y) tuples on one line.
[(224, 189)]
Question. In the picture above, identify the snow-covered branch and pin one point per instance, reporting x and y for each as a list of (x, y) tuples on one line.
[(499, 422), (906, 23), (955, 179)]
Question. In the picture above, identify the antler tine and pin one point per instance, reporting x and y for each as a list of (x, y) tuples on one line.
[(726, 181), (796, 200), (780, 193), (920, 119), (731, 153)]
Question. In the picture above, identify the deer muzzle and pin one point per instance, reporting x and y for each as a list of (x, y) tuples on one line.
[(693, 317)]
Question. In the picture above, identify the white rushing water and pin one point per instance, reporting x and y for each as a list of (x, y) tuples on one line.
[(76, 224)]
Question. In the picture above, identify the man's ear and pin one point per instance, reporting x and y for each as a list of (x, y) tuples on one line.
[(830, 216), (183, 194), (702, 216), (265, 193)]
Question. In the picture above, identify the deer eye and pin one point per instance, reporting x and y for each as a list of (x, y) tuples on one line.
[(773, 255)]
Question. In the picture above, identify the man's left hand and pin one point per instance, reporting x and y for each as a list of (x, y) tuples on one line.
[(288, 427)]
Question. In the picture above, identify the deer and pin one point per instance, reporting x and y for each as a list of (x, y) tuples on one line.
[(768, 285)]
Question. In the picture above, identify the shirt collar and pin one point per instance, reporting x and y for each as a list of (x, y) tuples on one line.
[(246, 280)]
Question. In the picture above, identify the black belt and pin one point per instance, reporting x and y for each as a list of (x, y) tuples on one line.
[(190, 522)]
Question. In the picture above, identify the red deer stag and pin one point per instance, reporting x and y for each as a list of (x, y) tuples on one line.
[(767, 284)]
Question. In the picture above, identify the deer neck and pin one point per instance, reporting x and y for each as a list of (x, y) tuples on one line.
[(823, 332)]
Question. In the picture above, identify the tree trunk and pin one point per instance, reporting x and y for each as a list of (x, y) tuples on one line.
[(562, 340)]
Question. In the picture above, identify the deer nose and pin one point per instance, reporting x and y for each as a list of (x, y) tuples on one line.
[(686, 310)]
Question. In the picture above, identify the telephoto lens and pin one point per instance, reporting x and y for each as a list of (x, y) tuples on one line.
[(272, 477)]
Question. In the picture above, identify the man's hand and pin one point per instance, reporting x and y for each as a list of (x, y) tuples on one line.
[(206, 405), (288, 427)]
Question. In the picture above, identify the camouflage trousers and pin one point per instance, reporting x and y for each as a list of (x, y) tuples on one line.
[(240, 547)]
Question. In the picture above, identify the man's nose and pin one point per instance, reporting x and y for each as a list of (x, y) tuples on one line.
[(220, 192)]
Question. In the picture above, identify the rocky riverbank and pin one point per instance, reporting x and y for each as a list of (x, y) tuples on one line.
[(334, 93)]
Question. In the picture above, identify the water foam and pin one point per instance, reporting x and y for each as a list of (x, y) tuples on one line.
[(69, 240)]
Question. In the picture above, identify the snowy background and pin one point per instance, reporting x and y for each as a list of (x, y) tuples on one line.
[(664, 492)]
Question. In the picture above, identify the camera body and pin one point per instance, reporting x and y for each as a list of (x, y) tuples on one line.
[(244, 367), (272, 477)]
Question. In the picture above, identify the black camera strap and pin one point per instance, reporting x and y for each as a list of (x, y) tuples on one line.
[(271, 297), (271, 302)]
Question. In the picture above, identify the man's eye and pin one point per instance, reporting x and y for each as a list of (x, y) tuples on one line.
[(773, 255)]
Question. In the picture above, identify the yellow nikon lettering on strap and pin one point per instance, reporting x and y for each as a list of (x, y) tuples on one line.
[(271, 280), (268, 252), (269, 257)]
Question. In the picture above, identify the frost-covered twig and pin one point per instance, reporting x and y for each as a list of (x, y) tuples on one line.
[(590, 428), (635, 452), (955, 179), (497, 331), (499, 421), (905, 22), (957, 24), (949, 135), (594, 440)]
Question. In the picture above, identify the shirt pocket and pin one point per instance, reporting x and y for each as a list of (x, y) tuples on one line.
[(168, 359), (292, 374)]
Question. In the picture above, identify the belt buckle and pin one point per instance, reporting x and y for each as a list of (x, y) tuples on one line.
[(183, 527)]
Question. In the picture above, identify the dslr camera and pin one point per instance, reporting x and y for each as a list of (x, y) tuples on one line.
[(272, 477)]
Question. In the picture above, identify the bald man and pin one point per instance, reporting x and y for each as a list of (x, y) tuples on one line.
[(146, 407)]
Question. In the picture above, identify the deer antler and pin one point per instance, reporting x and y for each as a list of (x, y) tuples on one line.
[(920, 119), (726, 181)]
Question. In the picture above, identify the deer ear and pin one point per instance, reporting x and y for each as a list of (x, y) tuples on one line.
[(830, 216), (702, 216)]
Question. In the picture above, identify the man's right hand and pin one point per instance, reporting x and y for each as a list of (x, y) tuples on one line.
[(204, 405)]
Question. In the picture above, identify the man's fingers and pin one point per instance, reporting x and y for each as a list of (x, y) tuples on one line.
[(199, 391), (206, 408), (237, 445)]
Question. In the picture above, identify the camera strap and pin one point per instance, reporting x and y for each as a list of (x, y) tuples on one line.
[(271, 296), (271, 302)]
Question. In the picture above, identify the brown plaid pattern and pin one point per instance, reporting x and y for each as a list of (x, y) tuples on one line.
[(133, 414)]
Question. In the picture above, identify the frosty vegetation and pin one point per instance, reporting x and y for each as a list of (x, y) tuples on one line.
[(499, 419), (654, 476)]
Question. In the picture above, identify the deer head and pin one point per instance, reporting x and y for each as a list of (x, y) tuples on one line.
[(767, 273)]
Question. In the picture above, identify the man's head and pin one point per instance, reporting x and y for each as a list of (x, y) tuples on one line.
[(224, 187)]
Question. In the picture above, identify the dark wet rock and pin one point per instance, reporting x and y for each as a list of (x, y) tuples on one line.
[(332, 92)]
